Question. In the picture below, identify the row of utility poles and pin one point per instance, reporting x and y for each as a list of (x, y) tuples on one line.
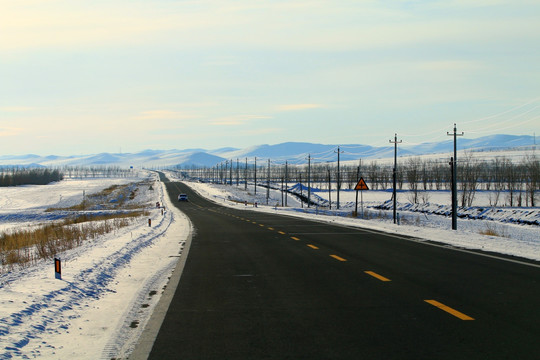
[(453, 167)]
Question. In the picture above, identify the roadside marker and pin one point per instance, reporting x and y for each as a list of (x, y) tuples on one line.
[(57, 269), (375, 275), (449, 310), (338, 258)]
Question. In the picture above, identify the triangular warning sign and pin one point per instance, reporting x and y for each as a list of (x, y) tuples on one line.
[(361, 185)]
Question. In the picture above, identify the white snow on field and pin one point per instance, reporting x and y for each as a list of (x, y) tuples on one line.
[(109, 286), (25, 205), (513, 239)]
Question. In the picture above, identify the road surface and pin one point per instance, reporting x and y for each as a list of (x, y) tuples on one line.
[(264, 286)]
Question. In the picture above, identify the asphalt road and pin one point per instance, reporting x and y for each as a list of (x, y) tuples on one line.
[(260, 286)]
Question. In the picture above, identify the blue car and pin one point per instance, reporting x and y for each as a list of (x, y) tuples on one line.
[(182, 197)]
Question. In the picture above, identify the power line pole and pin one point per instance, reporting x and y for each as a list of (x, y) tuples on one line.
[(237, 171), (245, 176), (230, 173), (268, 183), (286, 181), (338, 180), (301, 194), (255, 177), (453, 164), (394, 193), (309, 180)]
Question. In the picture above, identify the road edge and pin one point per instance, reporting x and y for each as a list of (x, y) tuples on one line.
[(148, 337)]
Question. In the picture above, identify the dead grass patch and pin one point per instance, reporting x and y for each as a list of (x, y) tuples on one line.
[(493, 230), (25, 246)]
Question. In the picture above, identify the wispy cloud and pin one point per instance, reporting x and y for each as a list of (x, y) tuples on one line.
[(7, 132), (238, 120), (163, 115), (295, 107)]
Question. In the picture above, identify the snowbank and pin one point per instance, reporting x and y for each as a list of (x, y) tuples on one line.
[(108, 290)]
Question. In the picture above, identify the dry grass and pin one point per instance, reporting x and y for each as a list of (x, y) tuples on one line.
[(113, 197), (25, 246), (493, 230)]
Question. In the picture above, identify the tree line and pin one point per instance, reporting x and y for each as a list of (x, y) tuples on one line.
[(518, 181), (15, 176)]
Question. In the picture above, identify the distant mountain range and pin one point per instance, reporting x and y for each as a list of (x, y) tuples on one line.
[(294, 152)]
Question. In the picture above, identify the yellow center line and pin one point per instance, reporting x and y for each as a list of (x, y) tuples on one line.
[(270, 228), (281, 232), (294, 238), (375, 275), (261, 225), (312, 246), (449, 310), (338, 258)]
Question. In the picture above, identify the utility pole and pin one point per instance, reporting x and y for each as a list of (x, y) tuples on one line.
[(301, 194), (357, 180), (245, 177), (281, 190), (394, 193), (308, 180), (453, 164), (338, 180), (286, 182), (237, 171), (230, 173), (268, 183), (255, 177)]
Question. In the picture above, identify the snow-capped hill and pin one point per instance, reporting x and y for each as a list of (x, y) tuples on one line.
[(294, 152), (201, 159)]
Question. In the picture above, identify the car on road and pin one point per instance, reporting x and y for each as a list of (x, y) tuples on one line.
[(182, 197)]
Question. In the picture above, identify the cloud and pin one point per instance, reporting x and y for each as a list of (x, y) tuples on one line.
[(237, 120), (312, 25), (295, 107), (7, 132), (163, 115)]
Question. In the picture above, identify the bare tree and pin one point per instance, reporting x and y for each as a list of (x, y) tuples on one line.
[(412, 173), (532, 178), (469, 175)]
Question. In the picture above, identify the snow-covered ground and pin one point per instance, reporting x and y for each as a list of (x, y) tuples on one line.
[(422, 223), (109, 287)]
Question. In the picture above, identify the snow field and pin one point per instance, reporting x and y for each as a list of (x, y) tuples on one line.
[(108, 290)]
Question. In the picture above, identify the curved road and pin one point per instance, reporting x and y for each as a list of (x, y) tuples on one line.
[(262, 286)]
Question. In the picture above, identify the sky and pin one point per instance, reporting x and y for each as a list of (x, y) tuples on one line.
[(80, 77)]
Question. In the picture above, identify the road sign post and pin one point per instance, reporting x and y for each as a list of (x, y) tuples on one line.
[(361, 186)]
